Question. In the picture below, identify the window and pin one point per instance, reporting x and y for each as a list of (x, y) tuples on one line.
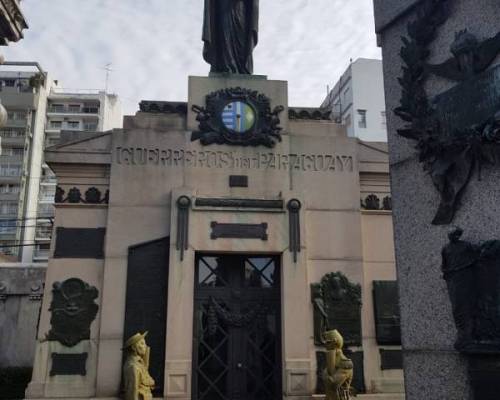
[(16, 115), (8, 189), (8, 207), (42, 251), (346, 93), (10, 170), (20, 115), (384, 120), (7, 226), (73, 124), (347, 120), (56, 124), (10, 82), (74, 108), (362, 118), (43, 230), (11, 133), (56, 108), (89, 126), (91, 108)]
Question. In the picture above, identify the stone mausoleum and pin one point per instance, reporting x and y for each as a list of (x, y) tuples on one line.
[(231, 229)]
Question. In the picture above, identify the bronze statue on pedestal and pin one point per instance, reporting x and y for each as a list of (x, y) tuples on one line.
[(230, 33), (138, 384)]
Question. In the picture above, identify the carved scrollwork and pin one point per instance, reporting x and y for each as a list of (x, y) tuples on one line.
[(163, 107), (448, 150), (317, 114), (372, 202), (92, 196)]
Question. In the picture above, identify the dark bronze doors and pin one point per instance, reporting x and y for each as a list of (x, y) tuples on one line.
[(237, 328), (146, 301)]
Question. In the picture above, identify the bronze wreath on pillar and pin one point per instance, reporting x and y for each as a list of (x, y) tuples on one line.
[(451, 138)]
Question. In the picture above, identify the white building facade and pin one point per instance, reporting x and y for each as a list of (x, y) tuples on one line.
[(357, 100), (38, 109)]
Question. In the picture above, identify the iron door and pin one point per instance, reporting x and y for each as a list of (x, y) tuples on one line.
[(237, 338), (146, 301)]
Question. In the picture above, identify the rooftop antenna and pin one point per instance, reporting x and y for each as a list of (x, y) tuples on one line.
[(108, 69)]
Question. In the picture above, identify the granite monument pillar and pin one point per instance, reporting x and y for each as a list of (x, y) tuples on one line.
[(442, 96)]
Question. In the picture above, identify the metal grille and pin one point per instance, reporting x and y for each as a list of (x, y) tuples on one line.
[(237, 347)]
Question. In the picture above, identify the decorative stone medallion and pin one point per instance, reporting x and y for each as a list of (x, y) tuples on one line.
[(238, 116)]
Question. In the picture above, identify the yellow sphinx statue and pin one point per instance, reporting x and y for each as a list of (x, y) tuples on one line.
[(338, 373), (137, 381)]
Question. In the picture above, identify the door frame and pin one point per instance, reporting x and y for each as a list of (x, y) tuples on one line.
[(276, 297)]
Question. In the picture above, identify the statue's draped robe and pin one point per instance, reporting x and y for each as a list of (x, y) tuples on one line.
[(230, 33)]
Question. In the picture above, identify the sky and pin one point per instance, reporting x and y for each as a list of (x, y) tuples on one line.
[(154, 45)]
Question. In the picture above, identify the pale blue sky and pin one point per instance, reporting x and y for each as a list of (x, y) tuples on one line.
[(154, 45)]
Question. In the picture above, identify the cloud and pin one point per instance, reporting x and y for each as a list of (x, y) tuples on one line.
[(154, 45)]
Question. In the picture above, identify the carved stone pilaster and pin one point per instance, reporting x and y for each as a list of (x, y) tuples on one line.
[(183, 204), (294, 207)]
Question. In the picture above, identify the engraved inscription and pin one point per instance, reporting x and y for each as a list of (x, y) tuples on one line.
[(69, 364), (239, 231), (233, 160)]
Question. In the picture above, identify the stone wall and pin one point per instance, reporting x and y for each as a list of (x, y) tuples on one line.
[(21, 291)]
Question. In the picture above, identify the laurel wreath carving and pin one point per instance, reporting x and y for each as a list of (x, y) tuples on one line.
[(231, 318), (441, 154)]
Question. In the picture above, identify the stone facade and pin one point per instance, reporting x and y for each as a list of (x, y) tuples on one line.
[(147, 167)]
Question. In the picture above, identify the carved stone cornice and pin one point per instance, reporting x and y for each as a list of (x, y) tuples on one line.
[(308, 113), (12, 22), (163, 107)]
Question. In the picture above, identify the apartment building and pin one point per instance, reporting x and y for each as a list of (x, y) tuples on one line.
[(357, 100), (38, 110)]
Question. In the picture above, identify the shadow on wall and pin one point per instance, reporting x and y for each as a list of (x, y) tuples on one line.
[(13, 382)]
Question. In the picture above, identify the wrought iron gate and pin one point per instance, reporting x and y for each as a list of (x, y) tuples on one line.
[(237, 328)]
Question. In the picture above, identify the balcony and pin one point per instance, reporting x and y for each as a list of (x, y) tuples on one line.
[(43, 232), (11, 158), (13, 141), (91, 111), (48, 180), (15, 180), (10, 172), (45, 210), (46, 199), (41, 254), (10, 196), (16, 123)]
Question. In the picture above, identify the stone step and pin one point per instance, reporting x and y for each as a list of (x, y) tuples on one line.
[(380, 396)]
